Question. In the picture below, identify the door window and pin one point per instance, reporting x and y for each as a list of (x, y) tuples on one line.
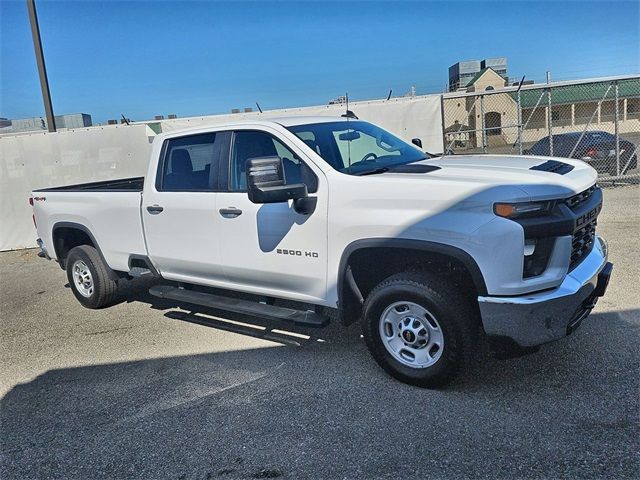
[(252, 144), (192, 163)]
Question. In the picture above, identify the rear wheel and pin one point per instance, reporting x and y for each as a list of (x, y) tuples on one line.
[(88, 277), (420, 329)]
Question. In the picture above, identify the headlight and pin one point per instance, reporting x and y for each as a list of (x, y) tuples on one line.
[(523, 209)]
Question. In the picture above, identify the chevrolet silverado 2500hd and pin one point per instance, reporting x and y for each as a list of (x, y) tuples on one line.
[(432, 255)]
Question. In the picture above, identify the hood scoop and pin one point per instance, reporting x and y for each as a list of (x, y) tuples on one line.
[(553, 166)]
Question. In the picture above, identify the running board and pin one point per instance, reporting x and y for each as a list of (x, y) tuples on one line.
[(138, 272), (305, 318)]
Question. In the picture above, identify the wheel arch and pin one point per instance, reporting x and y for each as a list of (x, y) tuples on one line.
[(67, 235), (390, 256)]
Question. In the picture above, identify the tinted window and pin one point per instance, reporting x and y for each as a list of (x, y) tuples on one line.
[(540, 148), (253, 144), (562, 146), (188, 162)]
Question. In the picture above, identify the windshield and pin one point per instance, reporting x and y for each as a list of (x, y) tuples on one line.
[(356, 147)]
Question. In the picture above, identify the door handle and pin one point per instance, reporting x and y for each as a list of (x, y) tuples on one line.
[(154, 209), (230, 212)]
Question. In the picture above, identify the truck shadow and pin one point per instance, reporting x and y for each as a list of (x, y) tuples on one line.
[(285, 333), (487, 372), (292, 411)]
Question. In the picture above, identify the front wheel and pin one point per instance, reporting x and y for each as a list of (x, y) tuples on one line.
[(89, 279), (420, 328)]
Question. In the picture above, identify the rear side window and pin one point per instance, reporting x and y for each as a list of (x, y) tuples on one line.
[(540, 148), (191, 164)]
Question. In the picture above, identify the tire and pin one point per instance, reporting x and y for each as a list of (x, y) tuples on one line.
[(98, 290), (446, 310)]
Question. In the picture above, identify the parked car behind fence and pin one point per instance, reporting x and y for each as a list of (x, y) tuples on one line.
[(598, 149)]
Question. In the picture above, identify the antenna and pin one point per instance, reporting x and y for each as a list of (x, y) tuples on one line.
[(389, 96), (348, 141), (348, 114), (521, 82), (258, 105), (124, 119)]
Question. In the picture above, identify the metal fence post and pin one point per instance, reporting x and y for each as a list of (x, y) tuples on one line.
[(550, 121), (444, 135), (573, 150), (519, 121), (617, 127), (484, 127)]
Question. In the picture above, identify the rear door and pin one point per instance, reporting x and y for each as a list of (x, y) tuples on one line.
[(270, 248), (179, 211)]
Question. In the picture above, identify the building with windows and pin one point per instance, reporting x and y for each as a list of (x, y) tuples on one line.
[(498, 65), (462, 73), (488, 112), (34, 124)]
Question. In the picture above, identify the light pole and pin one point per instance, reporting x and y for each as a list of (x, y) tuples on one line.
[(42, 71)]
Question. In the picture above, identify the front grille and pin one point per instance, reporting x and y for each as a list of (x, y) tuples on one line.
[(582, 242), (583, 238), (580, 198)]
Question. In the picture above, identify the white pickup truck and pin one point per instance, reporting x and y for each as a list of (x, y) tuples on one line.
[(347, 221)]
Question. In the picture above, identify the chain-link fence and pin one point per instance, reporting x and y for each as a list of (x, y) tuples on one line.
[(597, 122)]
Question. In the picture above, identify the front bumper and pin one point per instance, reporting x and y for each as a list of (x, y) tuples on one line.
[(534, 319)]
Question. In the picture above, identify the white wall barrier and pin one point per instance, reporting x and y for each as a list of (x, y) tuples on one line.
[(38, 160), (407, 117)]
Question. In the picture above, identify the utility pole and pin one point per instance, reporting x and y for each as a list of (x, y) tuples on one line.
[(42, 71)]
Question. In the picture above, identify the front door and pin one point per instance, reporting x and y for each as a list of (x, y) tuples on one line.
[(180, 213), (270, 248)]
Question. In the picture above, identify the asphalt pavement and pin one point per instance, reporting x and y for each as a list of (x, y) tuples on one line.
[(146, 390)]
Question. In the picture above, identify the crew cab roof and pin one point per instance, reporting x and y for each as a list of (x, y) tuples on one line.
[(305, 120), (283, 121)]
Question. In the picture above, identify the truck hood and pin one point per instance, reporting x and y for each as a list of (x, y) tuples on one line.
[(515, 171)]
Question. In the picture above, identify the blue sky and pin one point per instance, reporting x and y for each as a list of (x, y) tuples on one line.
[(145, 58)]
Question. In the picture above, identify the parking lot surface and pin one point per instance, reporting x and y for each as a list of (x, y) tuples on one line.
[(147, 390)]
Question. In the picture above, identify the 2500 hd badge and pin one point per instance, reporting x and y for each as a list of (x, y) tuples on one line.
[(297, 253)]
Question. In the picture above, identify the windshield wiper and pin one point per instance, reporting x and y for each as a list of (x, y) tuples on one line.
[(373, 172)]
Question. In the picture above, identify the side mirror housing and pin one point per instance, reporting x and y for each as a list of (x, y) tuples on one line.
[(266, 182), (417, 142)]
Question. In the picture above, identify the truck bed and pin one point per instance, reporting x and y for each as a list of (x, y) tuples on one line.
[(134, 184), (107, 211)]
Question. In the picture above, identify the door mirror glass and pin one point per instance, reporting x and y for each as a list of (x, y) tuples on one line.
[(266, 182)]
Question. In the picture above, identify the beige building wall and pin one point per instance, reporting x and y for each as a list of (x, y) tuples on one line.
[(502, 109)]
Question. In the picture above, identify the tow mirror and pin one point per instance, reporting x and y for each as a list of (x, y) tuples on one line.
[(266, 182), (417, 142)]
